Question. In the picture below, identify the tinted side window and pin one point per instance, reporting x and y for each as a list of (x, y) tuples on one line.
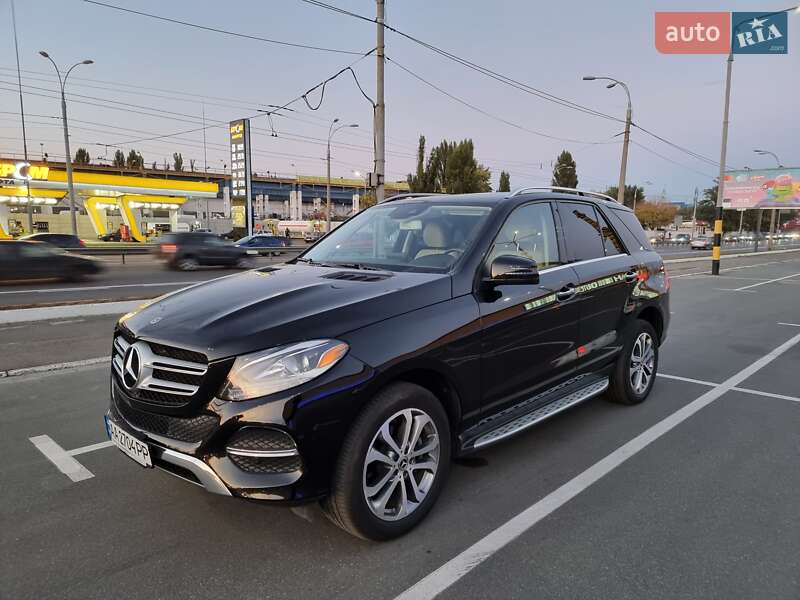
[(529, 231), (581, 230), (611, 241), (632, 227)]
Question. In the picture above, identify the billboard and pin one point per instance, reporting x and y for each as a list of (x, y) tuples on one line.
[(765, 188), (240, 174)]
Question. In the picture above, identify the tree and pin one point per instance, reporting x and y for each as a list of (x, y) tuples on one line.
[(177, 161), (564, 172), (367, 200), (505, 182), (631, 192), (82, 157), (450, 168), (134, 160), (653, 215), (119, 159)]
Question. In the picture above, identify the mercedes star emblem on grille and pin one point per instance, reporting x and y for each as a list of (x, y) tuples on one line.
[(131, 367)]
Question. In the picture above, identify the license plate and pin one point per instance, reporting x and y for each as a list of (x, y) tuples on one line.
[(136, 449)]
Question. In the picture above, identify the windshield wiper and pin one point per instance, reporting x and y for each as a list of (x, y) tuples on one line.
[(354, 265)]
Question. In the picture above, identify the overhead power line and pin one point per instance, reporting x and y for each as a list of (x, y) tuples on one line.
[(222, 31), (544, 95), (674, 162)]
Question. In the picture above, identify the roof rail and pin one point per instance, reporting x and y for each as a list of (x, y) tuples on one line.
[(556, 188), (412, 195)]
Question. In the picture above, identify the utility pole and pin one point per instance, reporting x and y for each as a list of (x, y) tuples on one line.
[(380, 109), (68, 159), (22, 114), (716, 251), (628, 115)]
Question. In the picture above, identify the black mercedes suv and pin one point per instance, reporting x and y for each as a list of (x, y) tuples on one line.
[(422, 329)]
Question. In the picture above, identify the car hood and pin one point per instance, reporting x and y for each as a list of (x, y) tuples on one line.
[(277, 305)]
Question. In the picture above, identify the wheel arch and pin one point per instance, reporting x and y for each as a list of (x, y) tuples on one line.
[(653, 316)]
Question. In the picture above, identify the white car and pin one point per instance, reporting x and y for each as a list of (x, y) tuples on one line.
[(701, 243)]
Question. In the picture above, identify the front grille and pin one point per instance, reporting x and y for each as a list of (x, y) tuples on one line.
[(252, 464), (261, 439), (176, 377), (190, 430), (178, 353), (156, 373)]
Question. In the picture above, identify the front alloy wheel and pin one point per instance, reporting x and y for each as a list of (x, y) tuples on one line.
[(392, 465), (401, 464)]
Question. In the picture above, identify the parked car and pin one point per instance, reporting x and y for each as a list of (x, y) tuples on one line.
[(356, 372), (702, 242), (188, 251), (59, 240), (21, 259), (262, 243)]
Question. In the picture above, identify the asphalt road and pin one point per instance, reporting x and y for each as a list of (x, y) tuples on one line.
[(143, 277), (578, 507)]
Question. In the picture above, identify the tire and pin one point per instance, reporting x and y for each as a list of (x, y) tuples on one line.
[(187, 263), (623, 387), (355, 478), (245, 263)]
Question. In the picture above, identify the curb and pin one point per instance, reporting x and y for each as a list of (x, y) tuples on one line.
[(55, 367), (724, 256)]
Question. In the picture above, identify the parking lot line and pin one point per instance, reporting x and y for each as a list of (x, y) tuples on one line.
[(88, 362), (61, 458), (456, 568), (747, 287), (767, 394), (687, 379), (90, 448), (790, 324)]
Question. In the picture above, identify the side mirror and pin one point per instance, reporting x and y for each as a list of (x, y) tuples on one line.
[(512, 270)]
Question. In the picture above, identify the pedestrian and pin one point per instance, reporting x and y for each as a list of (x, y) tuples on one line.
[(287, 232)]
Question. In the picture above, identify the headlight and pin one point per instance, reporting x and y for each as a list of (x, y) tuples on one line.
[(277, 369)]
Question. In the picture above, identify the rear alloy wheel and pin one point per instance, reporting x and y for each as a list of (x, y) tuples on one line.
[(636, 367), (187, 264), (392, 465)]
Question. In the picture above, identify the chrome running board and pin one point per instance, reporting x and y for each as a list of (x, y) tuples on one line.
[(540, 414)]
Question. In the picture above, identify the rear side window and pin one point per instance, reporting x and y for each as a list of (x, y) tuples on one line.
[(582, 230), (611, 242), (630, 229)]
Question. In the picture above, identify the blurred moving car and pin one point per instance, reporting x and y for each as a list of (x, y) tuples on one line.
[(59, 240), (113, 236), (312, 236), (702, 242), (682, 238), (263, 243), (188, 251), (36, 260)]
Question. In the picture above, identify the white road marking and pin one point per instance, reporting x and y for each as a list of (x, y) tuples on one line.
[(747, 287), (67, 311), (90, 448), (68, 321), (91, 288), (767, 394), (456, 568), (55, 367), (732, 290), (61, 458), (687, 379), (12, 327), (790, 324)]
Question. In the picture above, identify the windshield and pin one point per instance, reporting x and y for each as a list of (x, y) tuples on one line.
[(409, 237), (245, 239)]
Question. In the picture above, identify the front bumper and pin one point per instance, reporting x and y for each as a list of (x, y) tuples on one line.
[(206, 463)]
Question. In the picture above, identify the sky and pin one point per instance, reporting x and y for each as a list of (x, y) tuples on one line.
[(153, 78)]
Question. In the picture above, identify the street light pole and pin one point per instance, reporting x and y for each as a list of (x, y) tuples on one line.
[(331, 133), (626, 140), (772, 154), (29, 208), (380, 106), (68, 159), (772, 212)]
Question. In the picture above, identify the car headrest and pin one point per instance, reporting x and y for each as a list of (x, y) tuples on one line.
[(434, 236)]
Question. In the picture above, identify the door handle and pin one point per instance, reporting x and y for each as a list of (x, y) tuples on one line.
[(567, 292), (631, 276)]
